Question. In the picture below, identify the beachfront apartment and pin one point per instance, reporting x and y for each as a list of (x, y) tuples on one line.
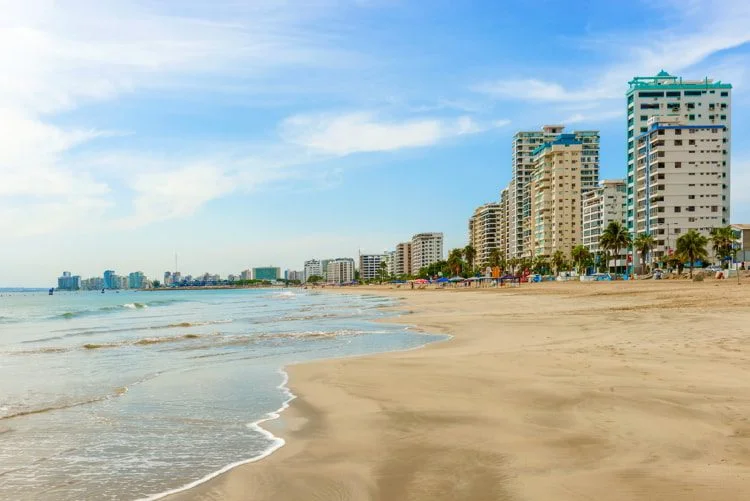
[(402, 259), (390, 261), (369, 265), (136, 280), (340, 271), (503, 224), (484, 231), (556, 196), (601, 206), (426, 248), (681, 180), (246, 275), (693, 102), (523, 165), (313, 267), (68, 282), (269, 273), (742, 245)]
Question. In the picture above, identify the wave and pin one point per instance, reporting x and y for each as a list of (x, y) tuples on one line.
[(115, 308), (146, 341), (116, 392), (276, 443)]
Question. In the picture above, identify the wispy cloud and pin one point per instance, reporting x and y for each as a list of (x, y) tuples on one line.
[(358, 132)]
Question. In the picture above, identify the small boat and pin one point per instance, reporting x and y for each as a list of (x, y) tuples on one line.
[(51, 291), (102, 291)]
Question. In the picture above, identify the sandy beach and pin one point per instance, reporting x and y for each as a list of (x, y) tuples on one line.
[(550, 392)]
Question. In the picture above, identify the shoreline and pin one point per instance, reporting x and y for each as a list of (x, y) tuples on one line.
[(323, 398)]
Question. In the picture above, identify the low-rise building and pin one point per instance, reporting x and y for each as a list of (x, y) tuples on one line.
[(742, 245), (269, 273)]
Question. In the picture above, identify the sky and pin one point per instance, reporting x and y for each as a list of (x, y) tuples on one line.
[(268, 132)]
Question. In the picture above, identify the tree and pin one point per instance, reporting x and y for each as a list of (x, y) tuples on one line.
[(455, 261), (692, 247), (383, 271), (558, 261), (314, 279), (643, 243), (156, 284), (722, 241), (581, 256), (540, 265), (495, 258), (614, 238), (470, 255), (513, 263)]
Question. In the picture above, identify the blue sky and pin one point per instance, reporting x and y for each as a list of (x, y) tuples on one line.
[(242, 134)]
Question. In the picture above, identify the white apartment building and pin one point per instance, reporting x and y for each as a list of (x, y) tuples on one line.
[(485, 231), (369, 265), (390, 259), (694, 102), (681, 180), (402, 261), (503, 237), (313, 267), (519, 193), (340, 270), (606, 203), (426, 248)]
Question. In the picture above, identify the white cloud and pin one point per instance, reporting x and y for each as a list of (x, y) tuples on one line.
[(359, 132)]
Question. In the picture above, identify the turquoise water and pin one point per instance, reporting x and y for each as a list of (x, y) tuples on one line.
[(128, 395)]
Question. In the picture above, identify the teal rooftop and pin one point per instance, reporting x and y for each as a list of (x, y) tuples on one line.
[(664, 80)]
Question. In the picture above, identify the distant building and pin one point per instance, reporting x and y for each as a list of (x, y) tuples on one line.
[(313, 267), (120, 281), (390, 260), (742, 245), (324, 268), (369, 266), (269, 273), (426, 248), (68, 282), (109, 280), (246, 275), (92, 284), (485, 232), (136, 280), (340, 271), (295, 276), (601, 206), (402, 264), (167, 279)]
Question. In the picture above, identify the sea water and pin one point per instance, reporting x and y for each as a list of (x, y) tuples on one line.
[(127, 395)]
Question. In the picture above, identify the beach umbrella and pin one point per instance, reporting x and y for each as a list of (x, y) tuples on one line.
[(457, 279)]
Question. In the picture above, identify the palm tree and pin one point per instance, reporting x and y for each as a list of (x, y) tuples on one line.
[(558, 261), (722, 240), (540, 264), (470, 254), (580, 255), (455, 261), (643, 243), (615, 237), (692, 247), (383, 271), (495, 257)]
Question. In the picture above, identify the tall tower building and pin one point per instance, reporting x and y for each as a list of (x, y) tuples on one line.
[(426, 248), (485, 232), (402, 264), (519, 201), (693, 102)]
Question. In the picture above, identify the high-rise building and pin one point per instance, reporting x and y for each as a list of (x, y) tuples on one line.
[(601, 206), (68, 282), (402, 262), (369, 266), (313, 268), (390, 261), (519, 192), (556, 196), (246, 275), (503, 224), (109, 280), (93, 283), (485, 231), (269, 273), (694, 102), (324, 268), (681, 180), (426, 248), (295, 276), (136, 280), (340, 271)]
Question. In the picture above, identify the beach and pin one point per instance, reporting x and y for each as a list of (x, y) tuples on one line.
[(556, 391)]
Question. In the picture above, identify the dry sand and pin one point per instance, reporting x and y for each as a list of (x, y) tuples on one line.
[(552, 392)]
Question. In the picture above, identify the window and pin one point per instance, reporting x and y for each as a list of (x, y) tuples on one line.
[(693, 92), (653, 94), (678, 132), (691, 117), (691, 141), (691, 197), (678, 142), (678, 208), (725, 94), (678, 165)]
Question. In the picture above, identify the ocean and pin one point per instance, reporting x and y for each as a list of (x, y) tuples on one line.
[(125, 396)]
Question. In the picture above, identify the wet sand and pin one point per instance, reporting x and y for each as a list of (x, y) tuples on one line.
[(553, 392)]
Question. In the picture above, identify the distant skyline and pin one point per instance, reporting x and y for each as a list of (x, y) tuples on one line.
[(267, 134)]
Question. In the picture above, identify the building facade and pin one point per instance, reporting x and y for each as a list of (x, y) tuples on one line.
[(68, 282), (92, 284), (503, 223), (340, 271), (556, 196), (109, 280), (426, 248), (742, 245), (693, 102), (484, 231), (681, 180), (601, 206), (369, 266), (269, 273), (294, 276), (402, 262), (523, 166), (312, 268), (136, 280)]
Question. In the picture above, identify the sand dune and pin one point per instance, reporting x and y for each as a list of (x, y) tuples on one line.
[(553, 392)]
